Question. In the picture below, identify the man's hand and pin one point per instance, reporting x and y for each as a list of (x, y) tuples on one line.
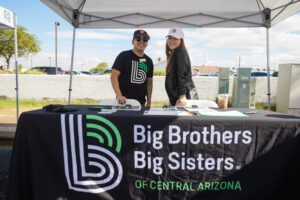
[(121, 100)]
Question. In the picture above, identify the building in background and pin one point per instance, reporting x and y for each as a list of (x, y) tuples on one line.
[(205, 70)]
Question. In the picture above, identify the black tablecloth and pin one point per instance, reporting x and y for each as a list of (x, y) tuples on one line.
[(127, 155)]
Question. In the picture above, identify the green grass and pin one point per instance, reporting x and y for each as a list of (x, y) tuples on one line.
[(159, 103), (31, 104), (6, 103), (264, 106), (33, 72), (5, 72), (20, 72), (159, 73), (11, 103)]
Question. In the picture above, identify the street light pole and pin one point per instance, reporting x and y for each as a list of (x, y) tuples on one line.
[(56, 25), (50, 60)]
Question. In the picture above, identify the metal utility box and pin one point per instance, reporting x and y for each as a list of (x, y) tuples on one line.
[(241, 88), (252, 102), (223, 80), (288, 89)]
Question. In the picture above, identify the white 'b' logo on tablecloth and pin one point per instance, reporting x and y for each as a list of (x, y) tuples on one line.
[(90, 145)]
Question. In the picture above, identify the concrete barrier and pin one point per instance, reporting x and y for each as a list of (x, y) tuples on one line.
[(7, 131), (99, 87)]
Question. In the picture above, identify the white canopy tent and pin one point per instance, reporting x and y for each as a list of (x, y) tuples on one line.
[(8, 20), (170, 13)]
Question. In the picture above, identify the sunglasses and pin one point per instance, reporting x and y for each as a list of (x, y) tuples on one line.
[(144, 39)]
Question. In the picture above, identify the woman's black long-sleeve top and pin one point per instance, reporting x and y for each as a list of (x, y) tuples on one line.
[(179, 80)]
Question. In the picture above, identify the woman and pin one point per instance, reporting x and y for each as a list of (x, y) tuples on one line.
[(179, 84)]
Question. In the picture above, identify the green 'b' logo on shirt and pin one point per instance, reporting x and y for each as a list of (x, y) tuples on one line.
[(143, 67)]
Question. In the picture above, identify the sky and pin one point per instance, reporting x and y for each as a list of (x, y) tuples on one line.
[(223, 47)]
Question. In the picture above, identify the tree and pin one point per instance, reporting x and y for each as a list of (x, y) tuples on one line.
[(275, 74), (159, 59), (100, 67), (27, 44)]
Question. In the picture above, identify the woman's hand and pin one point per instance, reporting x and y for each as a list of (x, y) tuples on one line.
[(181, 102)]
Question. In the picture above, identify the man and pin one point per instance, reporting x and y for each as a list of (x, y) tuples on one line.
[(132, 72)]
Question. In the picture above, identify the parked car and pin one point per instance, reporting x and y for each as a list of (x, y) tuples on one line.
[(106, 71), (74, 73), (258, 74), (48, 70), (86, 72)]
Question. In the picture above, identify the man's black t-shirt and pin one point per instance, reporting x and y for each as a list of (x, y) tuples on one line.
[(134, 73)]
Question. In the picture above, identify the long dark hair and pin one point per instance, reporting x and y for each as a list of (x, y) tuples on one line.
[(170, 54)]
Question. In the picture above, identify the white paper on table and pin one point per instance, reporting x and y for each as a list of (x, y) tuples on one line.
[(167, 111), (231, 113), (107, 111), (198, 110)]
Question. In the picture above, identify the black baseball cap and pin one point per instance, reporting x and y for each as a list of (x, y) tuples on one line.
[(141, 33)]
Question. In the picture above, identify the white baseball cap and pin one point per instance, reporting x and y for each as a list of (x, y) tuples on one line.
[(176, 33)]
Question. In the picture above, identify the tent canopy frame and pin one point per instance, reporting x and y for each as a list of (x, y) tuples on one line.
[(73, 15), (8, 24)]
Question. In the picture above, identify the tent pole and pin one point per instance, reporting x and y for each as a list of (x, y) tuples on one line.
[(16, 65), (71, 70), (268, 70)]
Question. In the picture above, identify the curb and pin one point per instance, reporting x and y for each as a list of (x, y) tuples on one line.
[(7, 131)]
